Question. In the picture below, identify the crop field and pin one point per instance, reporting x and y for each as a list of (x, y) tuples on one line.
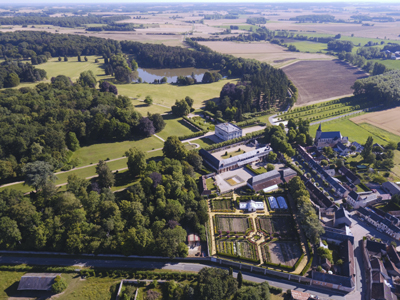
[(387, 120), (282, 225), (285, 253), (240, 248), (262, 51), (166, 94), (322, 80), (222, 204), (232, 223)]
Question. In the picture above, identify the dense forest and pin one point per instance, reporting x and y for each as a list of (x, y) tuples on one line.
[(145, 219), (25, 44), (35, 122), (383, 88), (72, 21)]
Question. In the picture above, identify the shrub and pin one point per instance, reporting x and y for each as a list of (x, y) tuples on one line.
[(59, 285)]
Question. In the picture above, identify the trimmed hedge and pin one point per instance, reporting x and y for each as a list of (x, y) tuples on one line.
[(214, 117), (238, 257), (193, 123), (308, 266), (193, 135)]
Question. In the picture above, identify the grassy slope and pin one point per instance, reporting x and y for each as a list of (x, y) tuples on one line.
[(9, 283), (175, 126)]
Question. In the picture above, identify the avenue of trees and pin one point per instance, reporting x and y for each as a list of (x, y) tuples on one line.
[(49, 121)]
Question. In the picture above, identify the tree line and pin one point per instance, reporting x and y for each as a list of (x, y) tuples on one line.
[(14, 72), (70, 21)]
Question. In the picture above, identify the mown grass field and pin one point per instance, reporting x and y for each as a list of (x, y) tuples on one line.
[(389, 63), (143, 108), (175, 126), (96, 152), (306, 46), (167, 94), (355, 132), (9, 283)]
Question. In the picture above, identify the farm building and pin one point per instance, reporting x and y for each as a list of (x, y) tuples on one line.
[(232, 163), (193, 240), (329, 138), (265, 180), (391, 188), (37, 281), (251, 205), (228, 131)]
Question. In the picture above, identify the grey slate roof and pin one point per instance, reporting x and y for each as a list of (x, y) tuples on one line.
[(265, 177), (288, 172), (37, 281), (393, 188), (353, 195), (228, 127), (330, 135)]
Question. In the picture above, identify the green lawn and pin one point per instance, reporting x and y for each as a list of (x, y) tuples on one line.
[(96, 152), (348, 128), (306, 46), (175, 126), (203, 142), (166, 94), (9, 283), (143, 108), (389, 63), (232, 154), (381, 133)]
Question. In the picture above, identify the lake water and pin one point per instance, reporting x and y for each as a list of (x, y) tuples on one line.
[(149, 75)]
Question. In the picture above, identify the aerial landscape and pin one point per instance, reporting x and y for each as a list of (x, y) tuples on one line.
[(199, 150)]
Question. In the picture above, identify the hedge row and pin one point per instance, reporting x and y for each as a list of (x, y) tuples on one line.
[(247, 122), (214, 117), (234, 141), (238, 257), (192, 135), (193, 123), (138, 274), (308, 266)]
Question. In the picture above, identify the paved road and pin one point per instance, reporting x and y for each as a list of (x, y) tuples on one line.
[(179, 266)]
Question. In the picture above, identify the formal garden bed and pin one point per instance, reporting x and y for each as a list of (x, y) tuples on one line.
[(239, 248), (281, 226), (226, 224), (222, 205)]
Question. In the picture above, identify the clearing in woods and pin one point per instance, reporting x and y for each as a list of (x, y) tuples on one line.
[(319, 80)]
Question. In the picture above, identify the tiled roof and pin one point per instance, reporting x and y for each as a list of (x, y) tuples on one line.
[(330, 278), (353, 195), (37, 281), (331, 135), (266, 177)]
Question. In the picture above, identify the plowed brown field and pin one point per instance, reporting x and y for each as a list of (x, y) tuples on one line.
[(322, 80), (385, 119)]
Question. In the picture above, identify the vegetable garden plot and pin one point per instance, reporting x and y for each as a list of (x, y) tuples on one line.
[(232, 223), (279, 225), (242, 249), (222, 204)]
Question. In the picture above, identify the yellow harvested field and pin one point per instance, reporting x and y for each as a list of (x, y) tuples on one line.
[(263, 51), (385, 119)]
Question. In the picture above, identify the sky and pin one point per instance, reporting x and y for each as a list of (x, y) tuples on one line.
[(55, 2)]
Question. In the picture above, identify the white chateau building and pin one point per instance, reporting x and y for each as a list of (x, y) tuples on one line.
[(330, 138), (228, 131)]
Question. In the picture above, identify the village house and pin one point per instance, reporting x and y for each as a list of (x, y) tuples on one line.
[(383, 224), (362, 199), (350, 176), (341, 149)]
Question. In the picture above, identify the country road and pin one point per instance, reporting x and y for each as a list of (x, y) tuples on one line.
[(179, 266)]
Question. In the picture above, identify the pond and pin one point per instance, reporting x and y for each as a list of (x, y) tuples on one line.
[(149, 75)]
